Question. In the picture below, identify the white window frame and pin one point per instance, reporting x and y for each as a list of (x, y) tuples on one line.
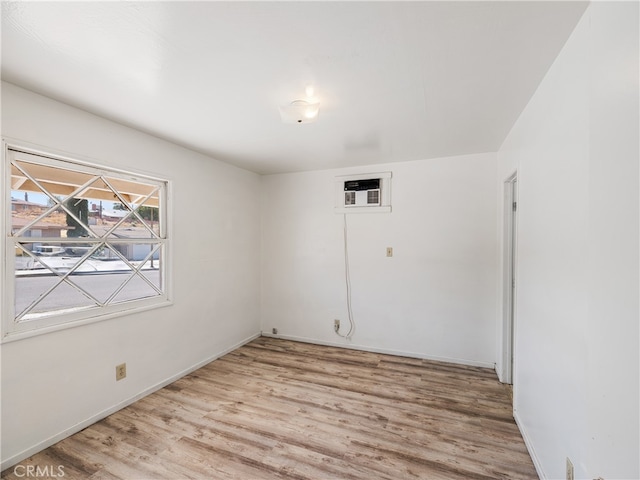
[(15, 330)]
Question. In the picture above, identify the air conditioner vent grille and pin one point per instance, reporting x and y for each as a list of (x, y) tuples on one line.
[(350, 198), (373, 197)]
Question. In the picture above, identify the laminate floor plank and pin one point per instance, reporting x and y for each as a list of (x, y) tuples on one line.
[(277, 409), (103, 475)]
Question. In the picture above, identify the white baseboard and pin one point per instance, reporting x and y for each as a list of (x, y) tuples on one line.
[(9, 462), (529, 445), (386, 351)]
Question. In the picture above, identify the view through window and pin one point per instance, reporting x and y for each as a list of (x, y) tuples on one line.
[(84, 240)]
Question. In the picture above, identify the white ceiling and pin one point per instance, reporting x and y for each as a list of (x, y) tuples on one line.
[(396, 81)]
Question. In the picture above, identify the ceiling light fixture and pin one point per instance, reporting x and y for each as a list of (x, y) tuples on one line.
[(300, 111)]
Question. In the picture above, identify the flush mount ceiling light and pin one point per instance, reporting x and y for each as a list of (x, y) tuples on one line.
[(300, 111)]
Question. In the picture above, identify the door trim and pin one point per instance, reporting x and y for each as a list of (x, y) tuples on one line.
[(509, 284)]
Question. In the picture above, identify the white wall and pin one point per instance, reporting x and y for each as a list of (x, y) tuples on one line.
[(434, 298), (575, 147), (52, 384)]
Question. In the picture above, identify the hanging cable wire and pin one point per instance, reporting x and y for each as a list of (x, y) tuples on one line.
[(347, 278)]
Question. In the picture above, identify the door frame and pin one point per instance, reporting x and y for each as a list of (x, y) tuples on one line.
[(509, 275)]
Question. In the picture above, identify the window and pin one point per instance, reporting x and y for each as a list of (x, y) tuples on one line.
[(81, 242)]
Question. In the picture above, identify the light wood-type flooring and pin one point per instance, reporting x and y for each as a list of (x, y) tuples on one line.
[(280, 409)]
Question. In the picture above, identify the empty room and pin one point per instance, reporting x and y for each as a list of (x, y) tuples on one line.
[(320, 240)]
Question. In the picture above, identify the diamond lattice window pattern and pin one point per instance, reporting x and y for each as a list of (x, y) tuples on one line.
[(86, 240)]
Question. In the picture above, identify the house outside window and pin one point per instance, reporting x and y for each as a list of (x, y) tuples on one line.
[(69, 258)]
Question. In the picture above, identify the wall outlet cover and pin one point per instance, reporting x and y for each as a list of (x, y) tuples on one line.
[(121, 371)]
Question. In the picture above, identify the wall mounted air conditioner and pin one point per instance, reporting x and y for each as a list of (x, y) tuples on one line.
[(362, 193), (369, 193)]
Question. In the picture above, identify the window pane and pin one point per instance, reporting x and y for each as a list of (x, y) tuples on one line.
[(149, 214), (136, 288), (101, 285), (62, 297), (29, 207), (138, 252), (29, 288), (57, 181), (133, 191), (152, 270), (39, 267)]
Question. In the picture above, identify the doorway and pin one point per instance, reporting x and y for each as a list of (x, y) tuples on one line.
[(510, 242)]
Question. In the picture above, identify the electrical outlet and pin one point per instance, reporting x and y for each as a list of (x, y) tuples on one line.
[(274, 331), (569, 469), (336, 324), (121, 371), (389, 251)]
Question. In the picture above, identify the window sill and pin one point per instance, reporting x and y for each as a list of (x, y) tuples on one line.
[(129, 308)]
